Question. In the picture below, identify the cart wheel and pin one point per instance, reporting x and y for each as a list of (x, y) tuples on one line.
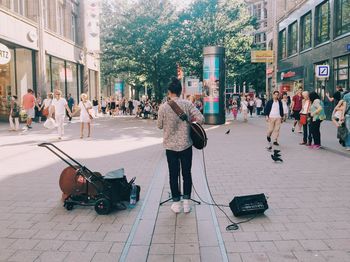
[(102, 206), (69, 206)]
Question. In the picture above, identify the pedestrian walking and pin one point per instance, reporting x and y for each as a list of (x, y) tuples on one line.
[(94, 105), (103, 105), (305, 119), (46, 106), (14, 114), (274, 115), (250, 105), (71, 104), (38, 106), (296, 108), (178, 144), (317, 116), (244, 108), (28, 104), (259, 106), (60, 106), (337, 96), (346, 117), (234, 107), (285, 106), (85, 116)]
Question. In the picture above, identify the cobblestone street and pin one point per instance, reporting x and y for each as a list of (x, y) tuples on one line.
[(307, 219)]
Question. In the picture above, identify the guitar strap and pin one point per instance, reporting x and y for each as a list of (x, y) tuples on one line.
[(177, 109)]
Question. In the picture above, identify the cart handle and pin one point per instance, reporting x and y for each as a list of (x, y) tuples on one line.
[(47, 145)]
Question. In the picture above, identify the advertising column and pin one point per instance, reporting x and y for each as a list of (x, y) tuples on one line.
[(214, 85)]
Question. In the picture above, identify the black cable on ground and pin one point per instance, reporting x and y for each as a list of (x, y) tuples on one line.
[(234, 225)]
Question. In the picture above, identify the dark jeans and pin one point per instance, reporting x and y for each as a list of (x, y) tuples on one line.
[(258, 111), (174, 160), (250, 108), (307, 133), (315, 131)]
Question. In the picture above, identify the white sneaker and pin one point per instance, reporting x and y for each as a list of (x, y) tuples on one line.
[(187, 206), (176, 207)]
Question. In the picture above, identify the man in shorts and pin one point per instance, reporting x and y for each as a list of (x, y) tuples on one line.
[(295, 107), (28, 103)]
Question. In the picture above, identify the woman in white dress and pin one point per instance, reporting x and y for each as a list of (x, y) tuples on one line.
[(85, 117), (244, 108)]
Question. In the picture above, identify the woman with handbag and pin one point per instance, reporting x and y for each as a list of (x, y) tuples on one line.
[(304, 119), (317, 116), (47, 111), (85, 116)]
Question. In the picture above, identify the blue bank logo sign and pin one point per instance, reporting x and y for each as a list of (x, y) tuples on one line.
[(322, 71)]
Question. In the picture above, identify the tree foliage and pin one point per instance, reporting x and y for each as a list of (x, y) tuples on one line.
[(143, 41)]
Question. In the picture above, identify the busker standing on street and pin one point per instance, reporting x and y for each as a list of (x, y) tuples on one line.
[(178, 144), (244, 108), (295, 107), (274, 115), (60, 106), (85, 118), (28, 103)]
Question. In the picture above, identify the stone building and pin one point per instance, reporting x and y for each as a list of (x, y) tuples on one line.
[(52, 44)]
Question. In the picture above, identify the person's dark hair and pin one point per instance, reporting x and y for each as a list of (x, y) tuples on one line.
[(274, 92), (175, 86), (30, 91), (340, 88), (313, 96), (15, 97)]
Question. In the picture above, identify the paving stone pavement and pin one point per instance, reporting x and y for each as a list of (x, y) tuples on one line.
[(308, 218)]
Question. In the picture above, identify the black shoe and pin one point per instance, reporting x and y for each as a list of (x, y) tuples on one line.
[(276, 143), (293, 129), (29, 127), (269, 148), (268, 139)]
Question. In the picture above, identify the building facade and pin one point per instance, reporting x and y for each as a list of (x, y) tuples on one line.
[(53, 44), (316, 33), (277, 10), (258, 9)]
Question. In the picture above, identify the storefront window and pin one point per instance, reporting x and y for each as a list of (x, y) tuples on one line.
[(322, 21), (293, 38), (24, 71), (72, 80), (58, 75), (342, 16), (7, 85), (306, 30), (341, 71), (282, 49), (48, 86)]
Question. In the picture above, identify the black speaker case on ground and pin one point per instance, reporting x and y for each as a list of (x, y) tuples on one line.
[(248, 205)]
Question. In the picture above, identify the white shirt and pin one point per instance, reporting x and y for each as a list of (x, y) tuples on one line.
[(275, 110), (306, 107), (244, 105), (47, 102), (258, 102), (59, 106), (285, 107)]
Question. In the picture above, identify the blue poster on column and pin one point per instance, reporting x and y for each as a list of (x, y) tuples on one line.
[(211, 84), (119, 89)]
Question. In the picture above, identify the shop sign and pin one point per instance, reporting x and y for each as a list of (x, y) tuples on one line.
[(291, 74), (262, 56), (5, 54), (322, 71)]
